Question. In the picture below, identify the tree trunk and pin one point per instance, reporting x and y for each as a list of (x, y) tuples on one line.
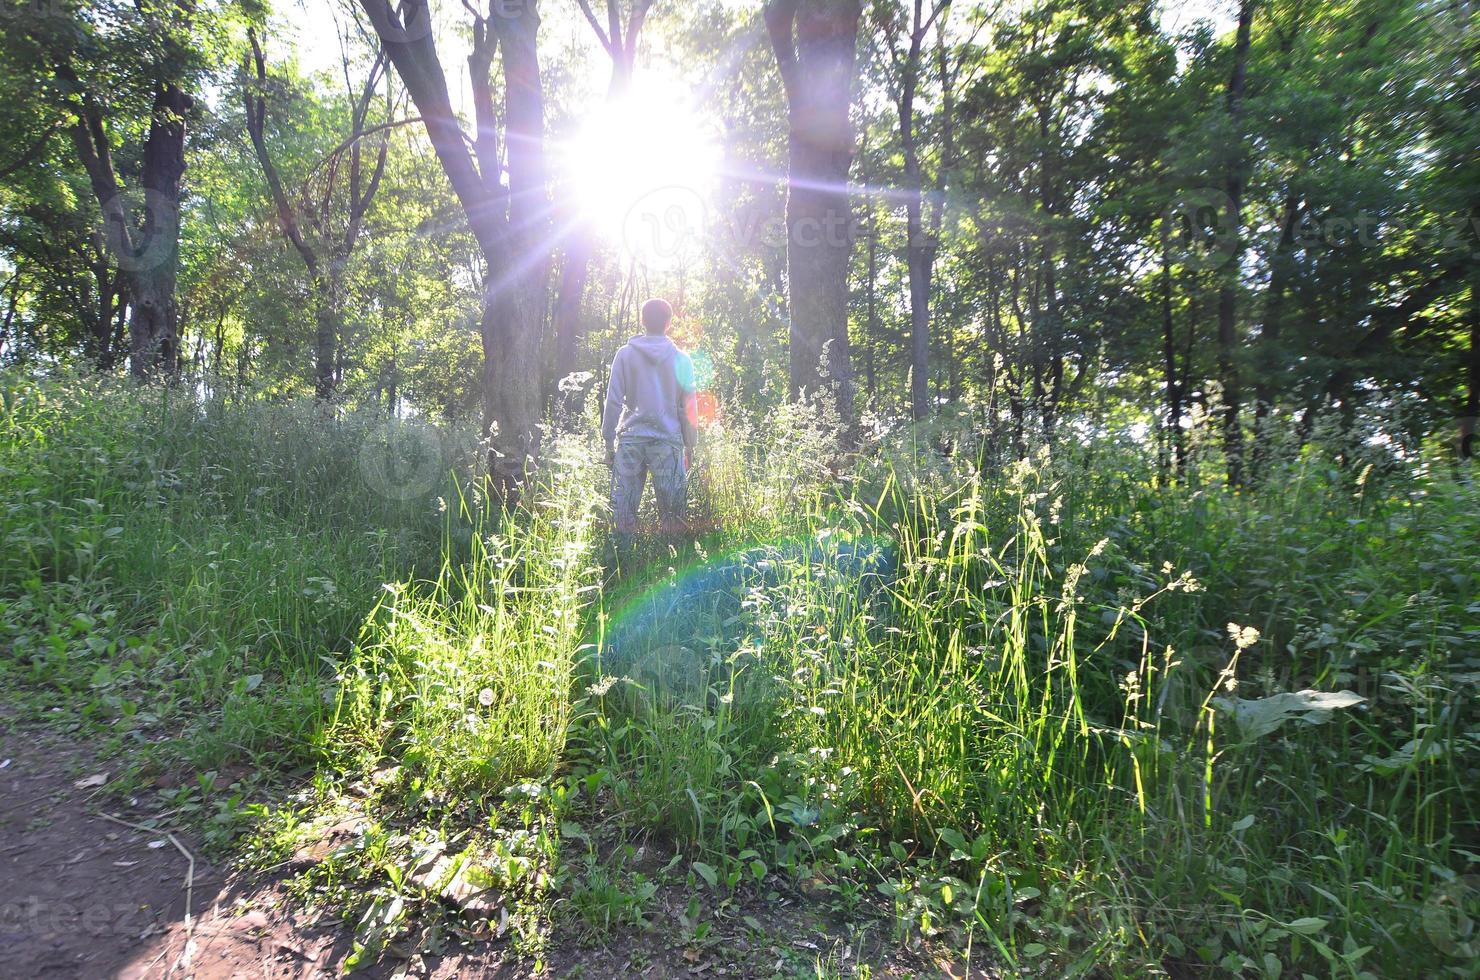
[(1228, 341), (1172, 460), (918, 259), (814, 42), (870, 328), (155, 347), (1268, 365), (509, 219), (1471, 421), (326, 336), (515, 308), (575, 268), (919, 247)]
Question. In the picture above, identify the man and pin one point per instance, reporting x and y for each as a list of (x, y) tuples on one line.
[(649, 424)]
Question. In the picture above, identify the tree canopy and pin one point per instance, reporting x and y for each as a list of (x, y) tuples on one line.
[(1190, 218)]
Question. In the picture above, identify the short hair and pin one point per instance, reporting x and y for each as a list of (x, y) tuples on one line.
[(656, 315)]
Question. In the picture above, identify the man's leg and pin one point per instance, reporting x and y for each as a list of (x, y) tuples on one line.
[(670, 486), (629, 473)]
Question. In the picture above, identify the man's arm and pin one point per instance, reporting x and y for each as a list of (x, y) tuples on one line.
[(612, 413)]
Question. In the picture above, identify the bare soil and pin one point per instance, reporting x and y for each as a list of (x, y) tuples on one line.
[(84, 896)]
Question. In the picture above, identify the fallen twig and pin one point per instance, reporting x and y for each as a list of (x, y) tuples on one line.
[(189, 874)]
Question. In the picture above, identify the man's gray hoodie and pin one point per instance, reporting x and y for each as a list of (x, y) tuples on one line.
[(650, 393)]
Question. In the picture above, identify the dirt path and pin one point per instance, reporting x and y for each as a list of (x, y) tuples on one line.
[(83, 896)]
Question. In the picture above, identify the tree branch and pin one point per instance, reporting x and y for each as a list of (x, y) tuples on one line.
[(601, 35), (780, 16), (32, 152), (256, 106), (414, 53)]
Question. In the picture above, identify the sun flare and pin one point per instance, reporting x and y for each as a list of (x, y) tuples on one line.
[(640, 170)]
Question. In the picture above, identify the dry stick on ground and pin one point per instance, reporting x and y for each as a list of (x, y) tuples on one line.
[(189, 872)]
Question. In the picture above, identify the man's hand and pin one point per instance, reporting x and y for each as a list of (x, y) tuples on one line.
[(611, 455)]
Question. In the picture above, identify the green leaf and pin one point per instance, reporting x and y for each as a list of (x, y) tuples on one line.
[(1264, 716), (1308, 926), (954, 839), (706, 872)]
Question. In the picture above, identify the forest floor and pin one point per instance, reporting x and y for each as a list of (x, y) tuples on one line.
[(91, 897), (938, 715)]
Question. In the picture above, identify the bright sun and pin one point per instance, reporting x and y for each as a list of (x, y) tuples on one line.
[(641, 170)]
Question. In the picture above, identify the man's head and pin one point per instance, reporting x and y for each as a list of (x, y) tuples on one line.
[(656, 315)]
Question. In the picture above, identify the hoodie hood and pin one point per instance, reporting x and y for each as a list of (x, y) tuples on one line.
[(656, 350)]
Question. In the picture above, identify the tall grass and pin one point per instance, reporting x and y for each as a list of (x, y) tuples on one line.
[(1047, 697), (193, 563), (1048, 704)]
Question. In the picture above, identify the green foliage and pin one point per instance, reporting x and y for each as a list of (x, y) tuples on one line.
[(168, 556), (1065, 718)]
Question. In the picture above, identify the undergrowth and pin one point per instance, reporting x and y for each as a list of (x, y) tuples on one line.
[(1049, 713)]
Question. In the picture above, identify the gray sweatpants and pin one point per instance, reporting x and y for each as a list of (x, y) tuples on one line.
[(637, 458)]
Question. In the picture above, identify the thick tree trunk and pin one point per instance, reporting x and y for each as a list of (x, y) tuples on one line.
[(516, 303), (509, 219), (818, 247), (326, 336), (146, 247), (814, 42), (155, 347)]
